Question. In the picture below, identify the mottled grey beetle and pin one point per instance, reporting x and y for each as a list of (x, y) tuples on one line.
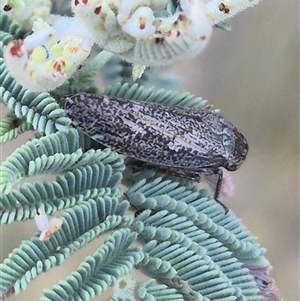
[(180, 141)]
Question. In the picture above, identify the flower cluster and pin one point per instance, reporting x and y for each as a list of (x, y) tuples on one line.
[(143, 32), (131, 30), (43, 61)]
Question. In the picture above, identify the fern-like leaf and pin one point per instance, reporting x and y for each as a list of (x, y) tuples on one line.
[(119, 299), (161, 96), (151, 291), (99, 271), (81, 225), (56, 152), (78, 185), (162, 194), (187, 235), (9, 26), (11, 127)]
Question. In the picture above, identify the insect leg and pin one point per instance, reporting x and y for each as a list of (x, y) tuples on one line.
[(173, 171), (183, 173), (219, 172)]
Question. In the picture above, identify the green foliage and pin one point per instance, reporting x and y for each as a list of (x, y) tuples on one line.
[(78, 185), (150, 291), (61, 8), (161, 96), (118, 71), (10, 27), (160, 193), (187, 236), (98, 271), (82, 224), (11, 127), (55, 153)]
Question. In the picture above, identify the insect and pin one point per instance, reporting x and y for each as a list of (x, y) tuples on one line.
[(180, 141), (46, 226)]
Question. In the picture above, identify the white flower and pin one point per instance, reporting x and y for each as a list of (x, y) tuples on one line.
[(46, 226), (44, 60), (140, 24), (201, 26)]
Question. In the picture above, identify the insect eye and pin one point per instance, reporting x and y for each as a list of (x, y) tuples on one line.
[(232, 165)]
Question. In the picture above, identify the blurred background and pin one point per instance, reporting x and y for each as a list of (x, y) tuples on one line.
[(252, 75)]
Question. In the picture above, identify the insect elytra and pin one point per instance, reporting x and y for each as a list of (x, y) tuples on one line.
[(176, 140)]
